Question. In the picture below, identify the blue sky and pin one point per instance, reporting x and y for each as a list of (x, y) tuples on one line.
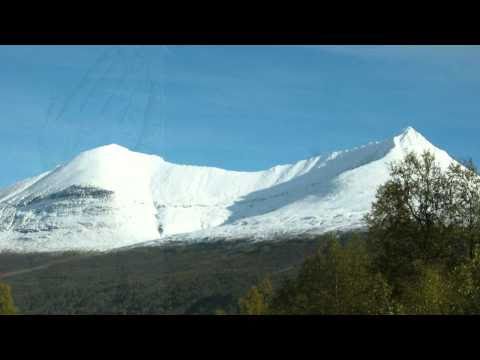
[(235, 107)]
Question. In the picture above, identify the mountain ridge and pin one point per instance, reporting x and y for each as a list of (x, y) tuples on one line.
[(152, 200)]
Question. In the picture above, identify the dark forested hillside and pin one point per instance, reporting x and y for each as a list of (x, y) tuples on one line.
[(204, 278)]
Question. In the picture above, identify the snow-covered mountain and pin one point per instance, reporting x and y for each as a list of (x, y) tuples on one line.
[(111, 197)]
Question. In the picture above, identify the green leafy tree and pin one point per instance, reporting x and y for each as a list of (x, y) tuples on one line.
[(430, 293), (6, 301), (424, 215), (464, 207), (337, 280), (257, 300), (465, 285)]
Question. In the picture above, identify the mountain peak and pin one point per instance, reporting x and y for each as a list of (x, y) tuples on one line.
[(410, 131), (410, 137), (110, 148), (113, 152)]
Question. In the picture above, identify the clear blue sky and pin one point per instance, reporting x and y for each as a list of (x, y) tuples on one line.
[(235, 107)]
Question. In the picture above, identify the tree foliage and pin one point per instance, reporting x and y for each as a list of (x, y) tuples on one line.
[(6, 301), (424, 214), (337, 280), (257, 300)]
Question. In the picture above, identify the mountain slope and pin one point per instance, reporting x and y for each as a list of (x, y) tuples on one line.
[(111, 197)]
